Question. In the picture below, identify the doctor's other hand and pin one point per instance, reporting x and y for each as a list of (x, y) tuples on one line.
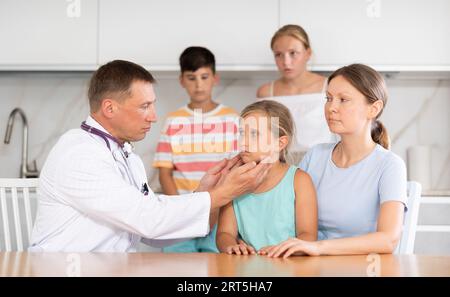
[(213, 175), (237, 180)]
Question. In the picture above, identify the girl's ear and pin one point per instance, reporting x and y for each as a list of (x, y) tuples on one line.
[(308, 54), (283, 142)]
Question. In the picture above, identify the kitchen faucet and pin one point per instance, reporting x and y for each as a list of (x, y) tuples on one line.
[(25, 170)]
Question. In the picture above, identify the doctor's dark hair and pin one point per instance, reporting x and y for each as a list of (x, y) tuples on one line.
[(372, 85), (113, 80), (195, 57)]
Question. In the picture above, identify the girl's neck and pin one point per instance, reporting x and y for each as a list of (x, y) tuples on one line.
[(352, 149), (273, 177), (299, 82)]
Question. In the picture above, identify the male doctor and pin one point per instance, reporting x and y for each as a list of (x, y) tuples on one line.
[(93, 193)]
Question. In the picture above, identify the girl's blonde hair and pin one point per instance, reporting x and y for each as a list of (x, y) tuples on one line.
[(273, 109), (294, 31)]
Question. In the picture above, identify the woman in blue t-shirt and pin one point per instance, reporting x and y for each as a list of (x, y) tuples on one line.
[(361, 185)]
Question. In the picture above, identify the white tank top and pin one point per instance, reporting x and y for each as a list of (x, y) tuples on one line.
[(308, 113)]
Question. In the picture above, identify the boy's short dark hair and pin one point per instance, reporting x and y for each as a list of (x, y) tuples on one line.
[(115, 79), (195, 57)]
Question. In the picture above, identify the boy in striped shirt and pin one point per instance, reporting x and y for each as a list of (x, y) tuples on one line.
[(195, 137)]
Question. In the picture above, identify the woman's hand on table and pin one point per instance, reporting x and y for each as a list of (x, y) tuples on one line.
[(292, 246)]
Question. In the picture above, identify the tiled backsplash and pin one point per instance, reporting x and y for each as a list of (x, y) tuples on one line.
[(417, 113)]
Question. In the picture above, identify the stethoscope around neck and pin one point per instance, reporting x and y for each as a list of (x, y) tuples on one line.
[(106, 137), (103, 135)]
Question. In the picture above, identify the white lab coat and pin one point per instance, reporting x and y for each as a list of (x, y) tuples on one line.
[(88, 202)]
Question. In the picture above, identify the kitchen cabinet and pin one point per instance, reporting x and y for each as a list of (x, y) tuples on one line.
[(395, 35), (48, 34), (154, 33), (392, 35)]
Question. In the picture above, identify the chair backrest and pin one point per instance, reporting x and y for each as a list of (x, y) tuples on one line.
[(406, 245), (12, 191)]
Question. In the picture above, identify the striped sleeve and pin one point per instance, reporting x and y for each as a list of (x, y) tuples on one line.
[(163, 155)]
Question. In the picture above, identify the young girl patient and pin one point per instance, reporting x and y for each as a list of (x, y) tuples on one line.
[(284, 205)]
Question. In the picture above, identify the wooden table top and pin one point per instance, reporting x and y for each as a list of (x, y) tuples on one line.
[(204, 264)]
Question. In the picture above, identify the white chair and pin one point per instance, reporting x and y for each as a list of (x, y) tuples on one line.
[(12, 191), (406, 245)]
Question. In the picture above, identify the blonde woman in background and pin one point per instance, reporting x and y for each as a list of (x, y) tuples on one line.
[(302, 91)]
